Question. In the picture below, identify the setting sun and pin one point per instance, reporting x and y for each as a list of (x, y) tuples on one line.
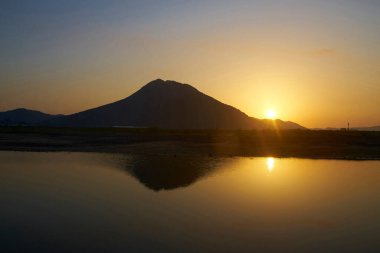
[(271, 114)]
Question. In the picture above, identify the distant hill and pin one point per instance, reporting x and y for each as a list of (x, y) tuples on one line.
[(24, 116), (168, 104), (373, 128)]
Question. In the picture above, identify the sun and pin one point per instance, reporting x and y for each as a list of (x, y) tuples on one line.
[(271, 114)]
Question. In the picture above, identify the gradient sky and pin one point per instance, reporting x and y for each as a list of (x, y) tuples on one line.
[(315, 62)]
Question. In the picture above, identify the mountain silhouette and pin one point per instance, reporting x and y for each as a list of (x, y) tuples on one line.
[(24, 116), (279, 124), (171, 105)]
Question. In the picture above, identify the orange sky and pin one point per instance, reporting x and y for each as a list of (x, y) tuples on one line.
[(315, 62)]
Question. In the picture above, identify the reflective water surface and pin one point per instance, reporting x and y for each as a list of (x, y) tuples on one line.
[(79, 202)]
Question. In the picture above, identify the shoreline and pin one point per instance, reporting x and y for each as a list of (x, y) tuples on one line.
[(307, 144)]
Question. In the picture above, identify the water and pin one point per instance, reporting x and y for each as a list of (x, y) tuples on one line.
[(79, 202)]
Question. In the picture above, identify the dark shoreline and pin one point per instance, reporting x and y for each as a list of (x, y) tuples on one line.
[(313, 144)]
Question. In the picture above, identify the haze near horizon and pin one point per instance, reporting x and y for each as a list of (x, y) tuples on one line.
[(312, 62)]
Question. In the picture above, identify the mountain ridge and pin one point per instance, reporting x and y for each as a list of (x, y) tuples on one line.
[(23, 116)]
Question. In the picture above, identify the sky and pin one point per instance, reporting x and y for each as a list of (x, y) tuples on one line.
[(313, 62)]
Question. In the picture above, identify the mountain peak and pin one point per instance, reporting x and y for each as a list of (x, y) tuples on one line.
[(20, 110), (160, 84)]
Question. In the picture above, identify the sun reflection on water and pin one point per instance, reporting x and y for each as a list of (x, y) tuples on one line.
[(270, 163)]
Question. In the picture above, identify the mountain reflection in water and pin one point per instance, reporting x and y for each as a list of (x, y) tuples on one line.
[(162, 172)]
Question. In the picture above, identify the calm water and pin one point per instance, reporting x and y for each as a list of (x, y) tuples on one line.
[(78, 202)]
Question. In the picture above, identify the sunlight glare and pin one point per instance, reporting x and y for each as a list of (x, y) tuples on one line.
[(271, 114), (270, 163)]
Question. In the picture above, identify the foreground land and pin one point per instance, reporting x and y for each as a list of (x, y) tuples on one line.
[(292, 143)]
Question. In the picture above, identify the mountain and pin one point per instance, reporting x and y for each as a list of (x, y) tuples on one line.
[(167, 104), (269, 124), (24, 116)]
